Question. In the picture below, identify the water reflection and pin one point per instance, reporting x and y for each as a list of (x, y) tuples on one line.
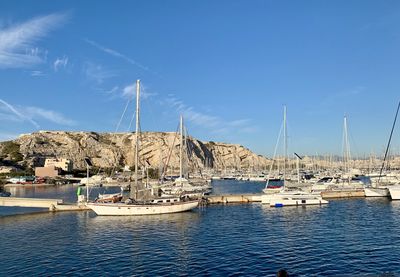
[(26, 216), (175, 219), (236, 187), (65, 192), (345, 237)]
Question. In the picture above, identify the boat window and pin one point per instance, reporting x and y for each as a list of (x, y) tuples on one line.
[(303, 201), (168, 201)]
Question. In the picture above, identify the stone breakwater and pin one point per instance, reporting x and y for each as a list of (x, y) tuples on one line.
[(117, 149)]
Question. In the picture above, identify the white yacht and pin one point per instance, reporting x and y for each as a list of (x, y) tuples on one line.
[(385, 184), (295, 199)]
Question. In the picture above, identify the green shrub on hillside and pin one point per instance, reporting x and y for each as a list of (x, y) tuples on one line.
[(11, 150)]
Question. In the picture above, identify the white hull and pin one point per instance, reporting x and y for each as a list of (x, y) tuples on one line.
[(295, 198), (258, 179), (121, 209), (297, 202), (192, 195), (395, 192), (272, 190), (376, 192)]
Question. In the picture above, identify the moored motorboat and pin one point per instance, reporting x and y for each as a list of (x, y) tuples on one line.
[(281, 200)]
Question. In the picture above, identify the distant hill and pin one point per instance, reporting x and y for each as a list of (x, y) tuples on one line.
[(108, 150)]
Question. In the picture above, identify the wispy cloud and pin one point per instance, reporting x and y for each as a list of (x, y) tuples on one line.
[(7, 136), (48, 115), (60, 63), (114, 90), (192, 115), (214, 123), (18, 114), (37, 73), (96, 72), (31, 114), (239, 122), (17, 42), (129, 91), (337, 100), (117, 54), (340, 96)]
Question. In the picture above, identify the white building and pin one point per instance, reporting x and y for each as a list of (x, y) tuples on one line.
[(63, 164)]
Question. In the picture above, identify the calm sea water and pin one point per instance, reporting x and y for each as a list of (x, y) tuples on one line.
[(359, 237)]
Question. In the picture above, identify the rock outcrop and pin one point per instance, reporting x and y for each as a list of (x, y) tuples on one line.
[(108, 150)]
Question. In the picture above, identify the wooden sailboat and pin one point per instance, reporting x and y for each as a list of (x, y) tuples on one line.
[(136, 206)]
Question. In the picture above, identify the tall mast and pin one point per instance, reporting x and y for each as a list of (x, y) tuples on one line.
[(285, 143), (137, 135), (390, 139), (181, 149), (87, 182), (346, 148)]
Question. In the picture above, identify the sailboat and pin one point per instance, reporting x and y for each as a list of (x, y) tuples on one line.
[(378, 189), (346, 180), (277, 185), (285, 197), (181, 185), (136, 205)]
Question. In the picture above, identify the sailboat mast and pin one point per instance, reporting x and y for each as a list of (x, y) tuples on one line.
[(137, 134), (390, 139), (181, 149), (285, 143), (346, 147), (298, 169)]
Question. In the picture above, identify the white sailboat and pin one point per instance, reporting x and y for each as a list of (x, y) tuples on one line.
[(394, 190), (285, 197), (140, 207), (181, 185), (346, 180)]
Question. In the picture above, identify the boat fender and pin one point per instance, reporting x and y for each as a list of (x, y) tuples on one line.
[(52, 208)]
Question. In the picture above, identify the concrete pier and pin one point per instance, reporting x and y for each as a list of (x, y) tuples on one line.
[(68, 207), (233, 198), (51, 204), (57, 205), (342, 194), (29, 202)]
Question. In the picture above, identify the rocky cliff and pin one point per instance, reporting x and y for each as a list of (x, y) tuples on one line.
[(108, 150)]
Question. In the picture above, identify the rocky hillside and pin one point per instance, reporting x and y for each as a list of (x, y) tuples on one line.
[(109, 149)]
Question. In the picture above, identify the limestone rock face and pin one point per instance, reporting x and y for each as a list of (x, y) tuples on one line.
[(108, 150)]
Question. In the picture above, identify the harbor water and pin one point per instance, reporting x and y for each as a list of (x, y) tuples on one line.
[(354, 237)]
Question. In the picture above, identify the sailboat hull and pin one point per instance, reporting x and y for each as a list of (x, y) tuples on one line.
[(376, 192), (395, 192), (145, 209), (297, 202)]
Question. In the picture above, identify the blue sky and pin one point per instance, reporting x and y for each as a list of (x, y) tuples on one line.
[(227, 66)]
